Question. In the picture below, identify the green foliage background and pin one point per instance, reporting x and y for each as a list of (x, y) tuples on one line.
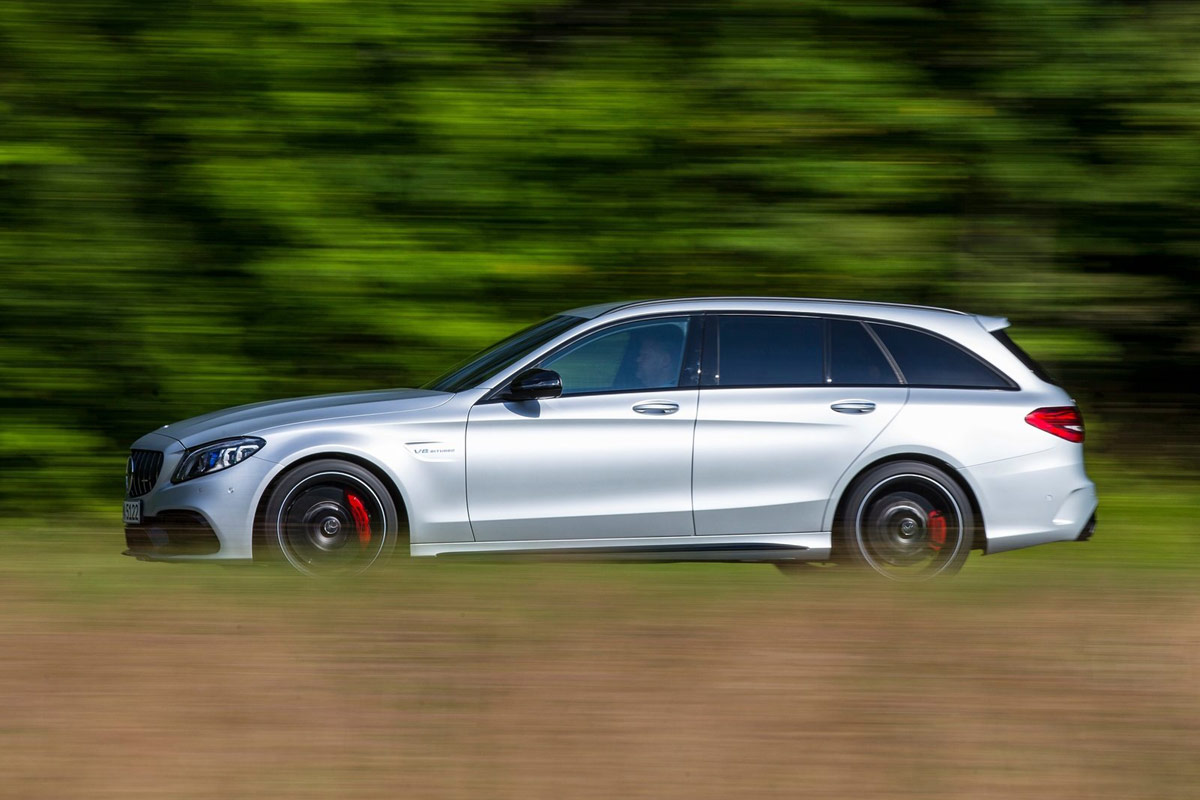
[(203, 204)]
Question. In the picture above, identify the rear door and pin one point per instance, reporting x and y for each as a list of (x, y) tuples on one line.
[(787, 403)]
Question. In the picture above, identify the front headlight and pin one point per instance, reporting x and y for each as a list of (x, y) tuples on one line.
[(216, 456)]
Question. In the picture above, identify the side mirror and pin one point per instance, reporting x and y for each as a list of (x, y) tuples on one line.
[(534, 384)]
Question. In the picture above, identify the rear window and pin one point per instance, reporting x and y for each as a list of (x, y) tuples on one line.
[(770, 351), (926, 360), (1026, 359)]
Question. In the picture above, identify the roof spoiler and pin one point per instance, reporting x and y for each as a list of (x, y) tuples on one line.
[(991, 324)]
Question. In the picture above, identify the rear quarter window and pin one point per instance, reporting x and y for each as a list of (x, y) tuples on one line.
[(927, 360), (1026, 359)]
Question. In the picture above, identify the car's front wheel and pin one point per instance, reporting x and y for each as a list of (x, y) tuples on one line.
[(330, 517), (907, 520)]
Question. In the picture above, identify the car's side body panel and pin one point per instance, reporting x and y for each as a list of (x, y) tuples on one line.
[(1035, 499), (424, 457), (760, 477), (1020, 476), (767, 459), (581, 467), (812, 546), (974, 425)]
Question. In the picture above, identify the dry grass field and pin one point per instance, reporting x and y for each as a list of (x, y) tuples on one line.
[(1059, 673)]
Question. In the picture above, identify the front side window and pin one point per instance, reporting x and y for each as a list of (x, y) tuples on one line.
[(927, 360), (766, 351), (636, 356)]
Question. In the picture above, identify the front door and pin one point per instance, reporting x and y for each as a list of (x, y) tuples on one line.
[(610, 458)]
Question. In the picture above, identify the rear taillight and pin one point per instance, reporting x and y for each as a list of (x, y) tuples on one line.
[(1064, 421)]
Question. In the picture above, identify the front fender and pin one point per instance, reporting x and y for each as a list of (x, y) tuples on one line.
[(424, 461)]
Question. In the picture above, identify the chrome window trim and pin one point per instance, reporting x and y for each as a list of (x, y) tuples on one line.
[(501, 379), (1010, 384)]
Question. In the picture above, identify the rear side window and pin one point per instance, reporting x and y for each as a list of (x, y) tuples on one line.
[(769, 351), (855, 358), (926, 360)]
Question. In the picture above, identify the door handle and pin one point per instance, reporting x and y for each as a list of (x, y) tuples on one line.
[(853, 407), (656, 407)]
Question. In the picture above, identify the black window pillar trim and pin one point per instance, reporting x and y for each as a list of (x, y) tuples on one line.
[(827, 347), (710, 363), (692, 368), (886, 353)]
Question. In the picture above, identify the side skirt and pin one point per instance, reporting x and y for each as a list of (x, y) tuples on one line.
[(759, 547)]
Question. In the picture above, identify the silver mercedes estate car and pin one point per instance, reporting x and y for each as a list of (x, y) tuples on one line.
[(897, 438)]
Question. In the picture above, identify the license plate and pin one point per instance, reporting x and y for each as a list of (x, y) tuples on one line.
[(133, 512)]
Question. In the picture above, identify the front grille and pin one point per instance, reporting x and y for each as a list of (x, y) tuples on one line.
[(142, 471)]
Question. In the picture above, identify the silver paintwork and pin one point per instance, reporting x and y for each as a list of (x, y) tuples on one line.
[(767, 460), (536, 475), (648, 472)]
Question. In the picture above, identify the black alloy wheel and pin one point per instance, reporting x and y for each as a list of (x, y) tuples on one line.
[(907, 521), (331, 517)]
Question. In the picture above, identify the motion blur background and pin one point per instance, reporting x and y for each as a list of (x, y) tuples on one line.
[(210, 203)]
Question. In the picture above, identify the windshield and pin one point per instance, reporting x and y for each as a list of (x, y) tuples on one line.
[(468, 374)]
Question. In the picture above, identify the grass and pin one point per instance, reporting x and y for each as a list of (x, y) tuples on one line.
[(1065, 671)]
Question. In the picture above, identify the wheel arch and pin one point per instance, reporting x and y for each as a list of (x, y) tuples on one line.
[(389, 483), (979, 536)]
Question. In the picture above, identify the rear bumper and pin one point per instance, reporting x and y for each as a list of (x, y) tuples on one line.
[(1088, 530), (1035, 499)]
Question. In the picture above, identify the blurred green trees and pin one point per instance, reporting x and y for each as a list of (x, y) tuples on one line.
[(203, 204)]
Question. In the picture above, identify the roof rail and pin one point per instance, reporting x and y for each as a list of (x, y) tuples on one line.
[(634, 303)]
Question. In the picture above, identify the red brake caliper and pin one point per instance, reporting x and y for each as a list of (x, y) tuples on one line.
[(937, 530), (362, 520)]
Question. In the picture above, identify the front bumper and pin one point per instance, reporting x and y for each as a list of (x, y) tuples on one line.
[(171, 533), (206, 518)]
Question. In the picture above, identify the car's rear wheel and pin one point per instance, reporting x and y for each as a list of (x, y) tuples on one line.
[(907, 521), (331, 517)]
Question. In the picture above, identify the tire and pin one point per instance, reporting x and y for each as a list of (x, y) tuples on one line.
[(331, 517), (907, 521)]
